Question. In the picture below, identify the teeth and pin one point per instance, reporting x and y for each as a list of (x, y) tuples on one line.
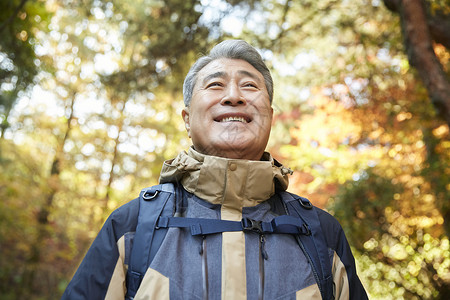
[(234, 119)]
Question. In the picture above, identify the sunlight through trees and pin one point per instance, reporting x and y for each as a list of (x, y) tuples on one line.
[(90, 107)]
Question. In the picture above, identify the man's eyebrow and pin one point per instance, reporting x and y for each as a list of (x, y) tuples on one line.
[(214, 75), (221, 74), (250, 74)]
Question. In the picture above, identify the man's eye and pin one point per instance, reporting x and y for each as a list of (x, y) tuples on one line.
[(250, 84), (214, 84)]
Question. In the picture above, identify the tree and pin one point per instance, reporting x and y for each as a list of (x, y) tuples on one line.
[(19, 23), (351, 118), (105, 154), (424, 22), (362, 138)]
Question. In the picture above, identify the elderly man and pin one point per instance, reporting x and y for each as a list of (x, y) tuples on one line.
[(220, 225)]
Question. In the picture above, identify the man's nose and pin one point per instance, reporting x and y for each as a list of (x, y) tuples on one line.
[(233, 96)]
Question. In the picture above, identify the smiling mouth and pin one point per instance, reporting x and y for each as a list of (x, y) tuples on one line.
[(241, 119), (234, 119)]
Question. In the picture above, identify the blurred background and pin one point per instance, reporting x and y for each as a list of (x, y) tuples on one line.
[(90, 103)]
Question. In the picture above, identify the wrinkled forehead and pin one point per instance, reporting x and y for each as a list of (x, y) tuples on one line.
[(226, 67)]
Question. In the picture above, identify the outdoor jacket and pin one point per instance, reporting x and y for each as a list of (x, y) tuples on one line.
[(217, 188)]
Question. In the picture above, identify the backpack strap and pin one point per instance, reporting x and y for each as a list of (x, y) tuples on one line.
[(314, 245), (200, 226), (152, 204), (155, 218)]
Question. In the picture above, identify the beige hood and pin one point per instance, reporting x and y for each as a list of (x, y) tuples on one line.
[(220, 180), (233, 183)]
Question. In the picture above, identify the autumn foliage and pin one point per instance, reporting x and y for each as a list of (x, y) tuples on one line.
[(90, 102)]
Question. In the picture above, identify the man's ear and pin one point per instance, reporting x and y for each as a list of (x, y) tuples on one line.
[(187, 124), (270, 114)]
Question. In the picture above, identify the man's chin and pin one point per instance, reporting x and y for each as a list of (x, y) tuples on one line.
[(234, 150)]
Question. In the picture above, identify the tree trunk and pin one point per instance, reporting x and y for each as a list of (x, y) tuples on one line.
[(43, 232), (418, 46), (111, 172), (113, 163), (421, 55)]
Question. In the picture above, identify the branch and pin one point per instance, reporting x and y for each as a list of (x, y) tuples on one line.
[(306, 19), (439, 25), (438, 22), (392, 5), (14, 14), (286, 9)]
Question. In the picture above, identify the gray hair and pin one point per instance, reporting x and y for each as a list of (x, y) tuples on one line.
[(234, 49)]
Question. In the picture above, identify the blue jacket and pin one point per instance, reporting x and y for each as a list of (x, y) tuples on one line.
[(232, 267)]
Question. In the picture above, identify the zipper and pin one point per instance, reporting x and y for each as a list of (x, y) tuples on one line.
[(262, 257), (204, 269)]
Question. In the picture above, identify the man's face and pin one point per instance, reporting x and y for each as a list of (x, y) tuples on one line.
[(230, 113)]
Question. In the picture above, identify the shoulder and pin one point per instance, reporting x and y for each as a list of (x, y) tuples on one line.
[(126, 210), (328, 222), (124, 219), (331, 228), (343, 259)]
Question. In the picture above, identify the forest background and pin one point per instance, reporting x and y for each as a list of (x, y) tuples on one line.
[(90, 102)]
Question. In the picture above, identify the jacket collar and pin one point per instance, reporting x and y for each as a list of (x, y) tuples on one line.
[(231, 182)]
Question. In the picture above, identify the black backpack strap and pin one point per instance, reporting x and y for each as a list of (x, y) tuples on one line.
[(146, 242), (314, 245), (200, 226)]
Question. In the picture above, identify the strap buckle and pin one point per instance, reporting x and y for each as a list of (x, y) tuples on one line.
[(305, 203), (149, 195), (307, 230), (251, 225)]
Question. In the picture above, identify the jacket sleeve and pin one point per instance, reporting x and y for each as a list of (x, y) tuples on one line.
[(346, 281), (92, 279)]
